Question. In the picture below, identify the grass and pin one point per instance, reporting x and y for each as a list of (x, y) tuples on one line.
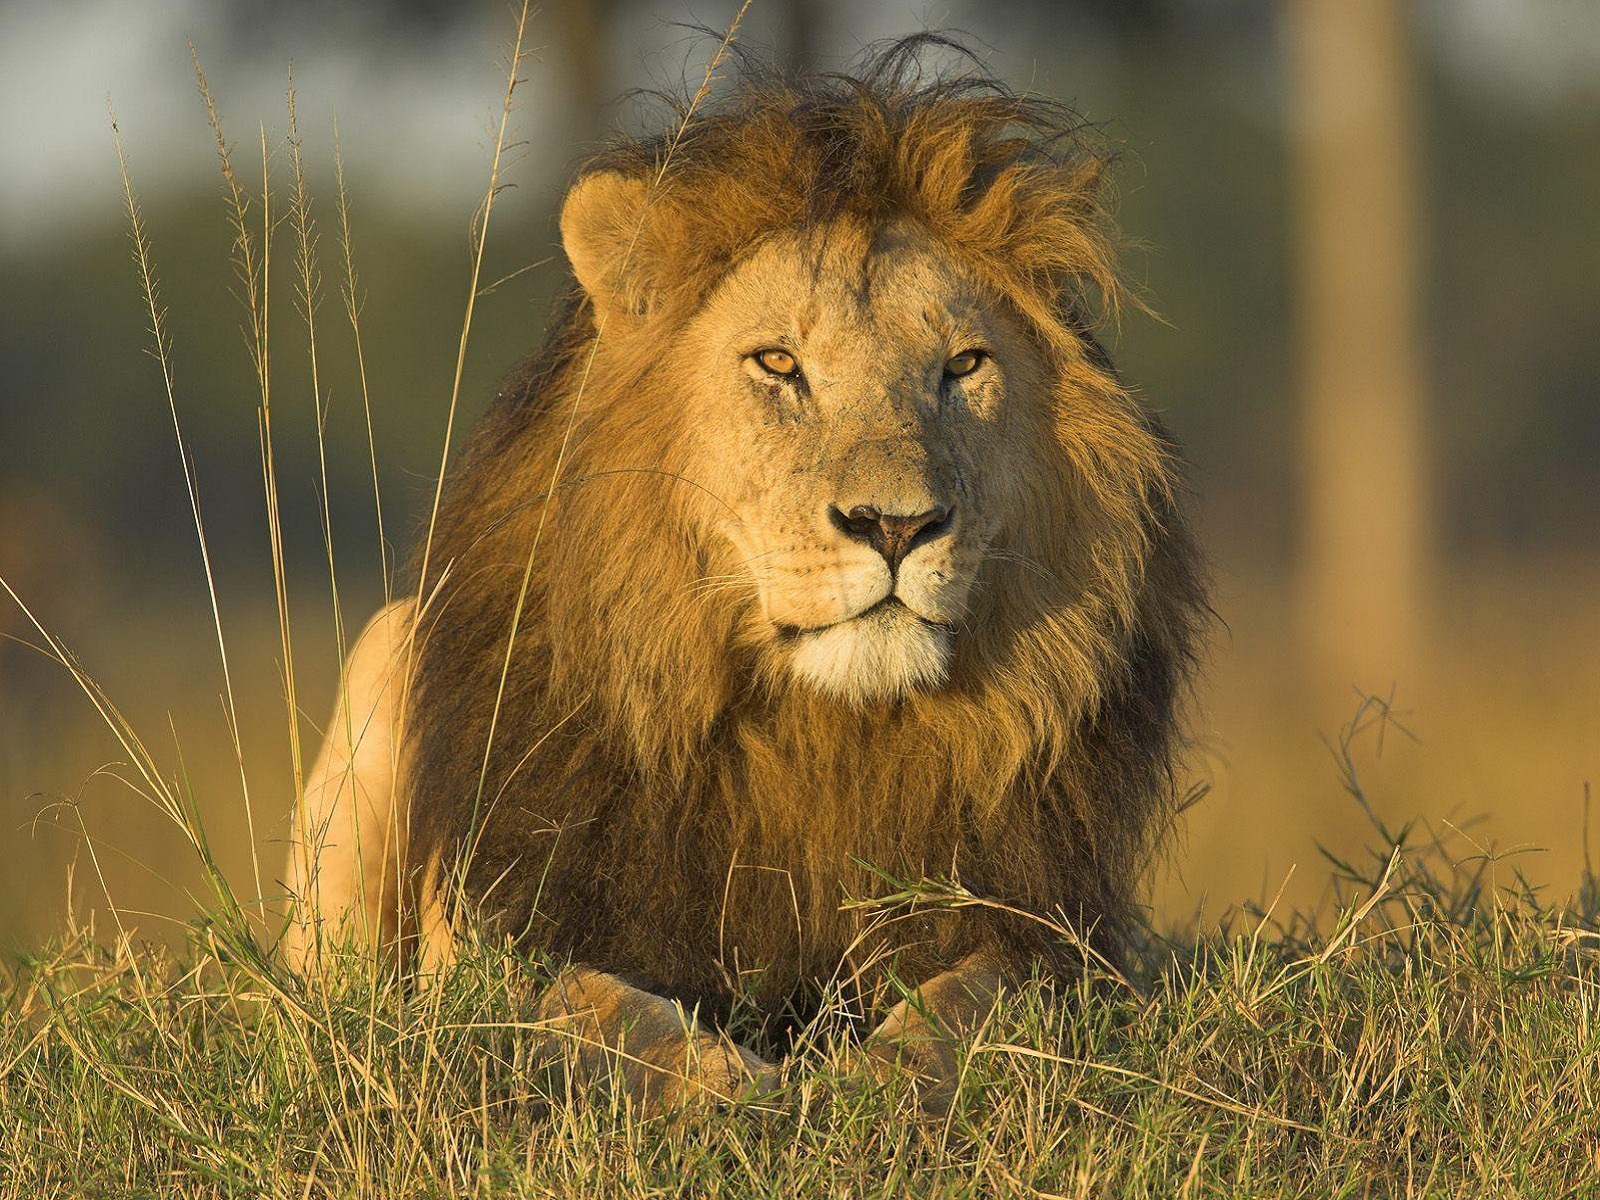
[(1442, 1040), (1434, 1032)]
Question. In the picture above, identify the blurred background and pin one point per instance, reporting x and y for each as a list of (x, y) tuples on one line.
[(1368, 228)]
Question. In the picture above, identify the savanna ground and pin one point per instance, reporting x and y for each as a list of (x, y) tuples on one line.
[(1441, 1037), (1405, 1014)]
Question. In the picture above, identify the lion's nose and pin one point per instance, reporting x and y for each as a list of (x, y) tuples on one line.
[(890, 534)]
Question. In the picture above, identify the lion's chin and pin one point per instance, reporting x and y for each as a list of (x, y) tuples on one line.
[(881, 655)]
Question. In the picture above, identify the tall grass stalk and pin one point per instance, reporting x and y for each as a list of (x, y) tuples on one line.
[(309, 294), (161, 350), (480, 241), (480, 237), (252, 260), (718, 57), (352, 306)]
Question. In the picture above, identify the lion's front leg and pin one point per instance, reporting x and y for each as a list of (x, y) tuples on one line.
[(348, 841), (647, 1046), (923, 1032)]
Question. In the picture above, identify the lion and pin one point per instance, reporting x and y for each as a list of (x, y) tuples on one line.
[(819, 553)]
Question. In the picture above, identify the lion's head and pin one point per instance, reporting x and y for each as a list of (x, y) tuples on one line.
[(866, 322), (823, 511), (862, 410)]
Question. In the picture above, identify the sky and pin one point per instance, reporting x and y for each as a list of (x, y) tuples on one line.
[(416, 110)]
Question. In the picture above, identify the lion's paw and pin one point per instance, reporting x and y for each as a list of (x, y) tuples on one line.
[(917, 1053)]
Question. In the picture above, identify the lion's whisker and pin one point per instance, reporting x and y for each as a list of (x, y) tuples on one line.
[(1033, 564)]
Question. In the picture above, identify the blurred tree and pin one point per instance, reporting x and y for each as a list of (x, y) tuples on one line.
[(580, 30), (1366, 545)]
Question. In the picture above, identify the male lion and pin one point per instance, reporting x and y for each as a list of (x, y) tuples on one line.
[(819, 548)]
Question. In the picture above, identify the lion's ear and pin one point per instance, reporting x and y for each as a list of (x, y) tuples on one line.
[(603, 232)]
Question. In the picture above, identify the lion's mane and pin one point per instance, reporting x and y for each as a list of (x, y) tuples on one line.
[(650, 801)]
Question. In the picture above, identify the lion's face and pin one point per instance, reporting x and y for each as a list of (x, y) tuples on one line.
[(863, 415)]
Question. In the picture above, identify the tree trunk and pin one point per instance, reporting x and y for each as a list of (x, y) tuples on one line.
[(1365, 551)]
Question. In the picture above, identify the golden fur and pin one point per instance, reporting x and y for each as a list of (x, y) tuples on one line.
[(656, 799), (612, 751)]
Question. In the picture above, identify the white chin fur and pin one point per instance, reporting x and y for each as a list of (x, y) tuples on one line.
[(880, 656)]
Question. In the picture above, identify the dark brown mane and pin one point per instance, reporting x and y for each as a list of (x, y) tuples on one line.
[(649, 801)]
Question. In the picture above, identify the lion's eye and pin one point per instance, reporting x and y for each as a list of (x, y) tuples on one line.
[(964, 363), (778, 362)]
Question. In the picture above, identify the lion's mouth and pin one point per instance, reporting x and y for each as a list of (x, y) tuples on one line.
[(887, 650), (890, 607)]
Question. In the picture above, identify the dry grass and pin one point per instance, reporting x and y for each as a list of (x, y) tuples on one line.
[(1442, 1040)]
